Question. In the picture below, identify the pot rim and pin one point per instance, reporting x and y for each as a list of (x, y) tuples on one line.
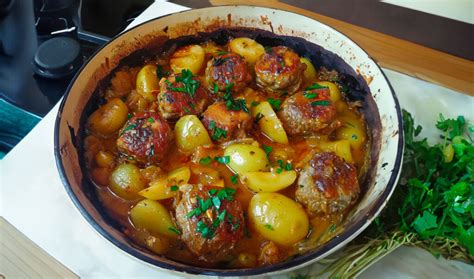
[(297, 262)]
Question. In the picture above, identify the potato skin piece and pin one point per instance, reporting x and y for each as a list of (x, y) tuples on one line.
[(146, 137), (279, 70), (301, 115), (220, 246), (327, 184), (225, 69)]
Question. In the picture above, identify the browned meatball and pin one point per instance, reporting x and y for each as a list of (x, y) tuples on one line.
[(279, 70), (146, 137), (181, 95), (327, 184), (223, 124), (309, 112), (211, 222), (228, 70)]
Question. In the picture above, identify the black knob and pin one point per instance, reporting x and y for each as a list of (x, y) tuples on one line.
[(58, 58)]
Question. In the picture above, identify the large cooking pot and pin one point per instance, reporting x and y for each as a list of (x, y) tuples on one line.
[(380, 107)]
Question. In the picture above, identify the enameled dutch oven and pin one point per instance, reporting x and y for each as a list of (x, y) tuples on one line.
[(333, 50)]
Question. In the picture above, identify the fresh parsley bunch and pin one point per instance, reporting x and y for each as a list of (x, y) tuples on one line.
[(432, 206)]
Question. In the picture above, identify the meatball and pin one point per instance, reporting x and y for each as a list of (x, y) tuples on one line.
[(181, 95), (279, 70), (146, 137), (211, 223), (223, 124), (327, 184), (228, 70), (309, 112)]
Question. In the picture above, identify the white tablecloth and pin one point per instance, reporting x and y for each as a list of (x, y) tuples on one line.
[(33, 198)]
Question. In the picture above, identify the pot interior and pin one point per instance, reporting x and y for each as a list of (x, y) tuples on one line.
[(322, 44)]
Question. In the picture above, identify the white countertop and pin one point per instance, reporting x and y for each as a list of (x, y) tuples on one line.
[(33, 199)]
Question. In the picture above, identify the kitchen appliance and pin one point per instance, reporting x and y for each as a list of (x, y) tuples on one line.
[(42, 45)]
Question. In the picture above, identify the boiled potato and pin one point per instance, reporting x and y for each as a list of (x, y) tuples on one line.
[(334, 92), (179, 176), (356, 137), (309, 75), (156, 243), (278, 218), (109, 118), (104, 159), (246, 158), (211, 48), (248, 48), (154, 217), (259, 181), (189, 57), (342, 148), (159, 190), (190, 133), (207, 176), (147, 82), (126, 181), (269, 123), (165, 186)]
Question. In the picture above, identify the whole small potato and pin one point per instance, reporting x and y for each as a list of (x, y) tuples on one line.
[(147, 82), (246, 158), (126, 181), (248, 48), (269, 122), (109, 118), (259, 181), (309, 75), (334, 92), (190, 133), (278, 218), (189, 57), (154, 217)]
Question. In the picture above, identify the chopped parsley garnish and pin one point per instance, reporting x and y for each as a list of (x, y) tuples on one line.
[(332, 228), (129, 116), (354, 136), (160, 73), (205, 161), (219, 61), (221, 52), (234, 104), (267, 149), (175, 230), (268, 49), (234, 178), (216, 88), (282, 63), (150, 119), (258, 117), (282, 166), (315, 86), (275, 103), (217, 132), (254, 103), (128, 128), (174, 188), (323, 103), (268, 226), (222, 159), (309, 95), (152, 151), (214, 202), (190, 84)]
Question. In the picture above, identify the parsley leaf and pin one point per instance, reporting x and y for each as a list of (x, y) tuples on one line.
[(205, 161), (275, 103)]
